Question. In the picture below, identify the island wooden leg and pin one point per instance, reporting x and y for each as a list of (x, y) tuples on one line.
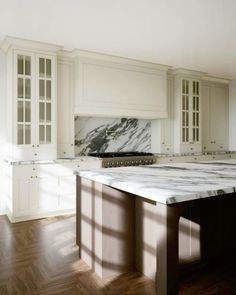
[(157, 245), (167, 249)]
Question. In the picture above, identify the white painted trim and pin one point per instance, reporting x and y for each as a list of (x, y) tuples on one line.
[(118, 113), (118, 59), (10, 42), (40, 215), (215, 79), (189, 73)]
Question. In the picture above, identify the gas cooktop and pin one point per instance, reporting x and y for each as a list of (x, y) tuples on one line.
[(118, 159)]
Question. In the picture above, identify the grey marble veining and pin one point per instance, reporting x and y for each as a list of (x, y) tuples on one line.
[(171, 183), (111, 135)]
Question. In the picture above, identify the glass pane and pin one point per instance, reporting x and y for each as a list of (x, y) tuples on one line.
[(183, 86), (48, 112), (183, 134), (187, 134), (187, 120), (197, 91), (27, 88), (41, 134), (197, 121), (41, 67), (187, 102), (48, 90), (197, 103), (183, 102), (20, 88), (27, 111), (193, 119), (187, 86), (183, 119), (197, 134), (27, 65), (48, 68), (48, 134), (41, 112), (194, 103), (20, 137), (20, 64), (20, 111), (41, 89), (27, 134)]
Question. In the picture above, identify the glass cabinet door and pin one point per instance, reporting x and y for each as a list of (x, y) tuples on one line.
[(185, 111), (24, 99), (196, 119), (45, 100)]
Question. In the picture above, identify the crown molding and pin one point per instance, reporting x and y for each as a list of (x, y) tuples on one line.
[(12, 42)]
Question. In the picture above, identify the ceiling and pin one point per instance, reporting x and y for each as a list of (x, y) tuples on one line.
[(192, 34)]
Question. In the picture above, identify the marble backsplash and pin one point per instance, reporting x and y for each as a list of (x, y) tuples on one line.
[(111, 135)]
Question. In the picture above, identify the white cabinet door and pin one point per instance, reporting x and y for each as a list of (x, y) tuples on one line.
[(24, 191), (215, 116), (65, 108)]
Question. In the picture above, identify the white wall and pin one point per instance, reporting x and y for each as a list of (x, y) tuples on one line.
[(2, 125), (232, 115)]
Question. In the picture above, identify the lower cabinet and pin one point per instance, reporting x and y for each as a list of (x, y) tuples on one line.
[(36, 191)]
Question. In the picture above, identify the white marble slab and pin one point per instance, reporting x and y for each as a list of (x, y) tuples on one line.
[(55, 161), (170, 183)]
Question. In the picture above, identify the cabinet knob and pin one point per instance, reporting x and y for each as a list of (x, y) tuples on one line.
[(31, 176), (36, 176), (163, 142), (33, 145), (191, 149), (72, 144), (37, 145), (64, 153), (35, 154)]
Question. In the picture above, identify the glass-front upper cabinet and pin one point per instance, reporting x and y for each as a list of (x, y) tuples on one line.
[(24, 99), (190, 111), (45, 81)]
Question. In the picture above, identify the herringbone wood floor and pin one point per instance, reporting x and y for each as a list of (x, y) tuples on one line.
[(41, 258)]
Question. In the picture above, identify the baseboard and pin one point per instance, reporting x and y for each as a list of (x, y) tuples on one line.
[(39, 216)]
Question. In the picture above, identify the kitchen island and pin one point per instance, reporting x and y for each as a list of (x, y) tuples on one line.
[(128, 217)]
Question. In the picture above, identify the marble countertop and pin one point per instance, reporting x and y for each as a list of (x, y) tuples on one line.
[(170, 183), (55, 161), (209, 153)]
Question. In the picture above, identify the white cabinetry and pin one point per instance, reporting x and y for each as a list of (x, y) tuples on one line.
[(119, 87), (31, 99), (187, 118), (65, 110), (162, 130), (41, 190), (215, 116)]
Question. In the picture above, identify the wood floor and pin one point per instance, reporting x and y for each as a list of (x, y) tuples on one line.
[(41, 258)]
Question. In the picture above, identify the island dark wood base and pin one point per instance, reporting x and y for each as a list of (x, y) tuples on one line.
[(118, 232)]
